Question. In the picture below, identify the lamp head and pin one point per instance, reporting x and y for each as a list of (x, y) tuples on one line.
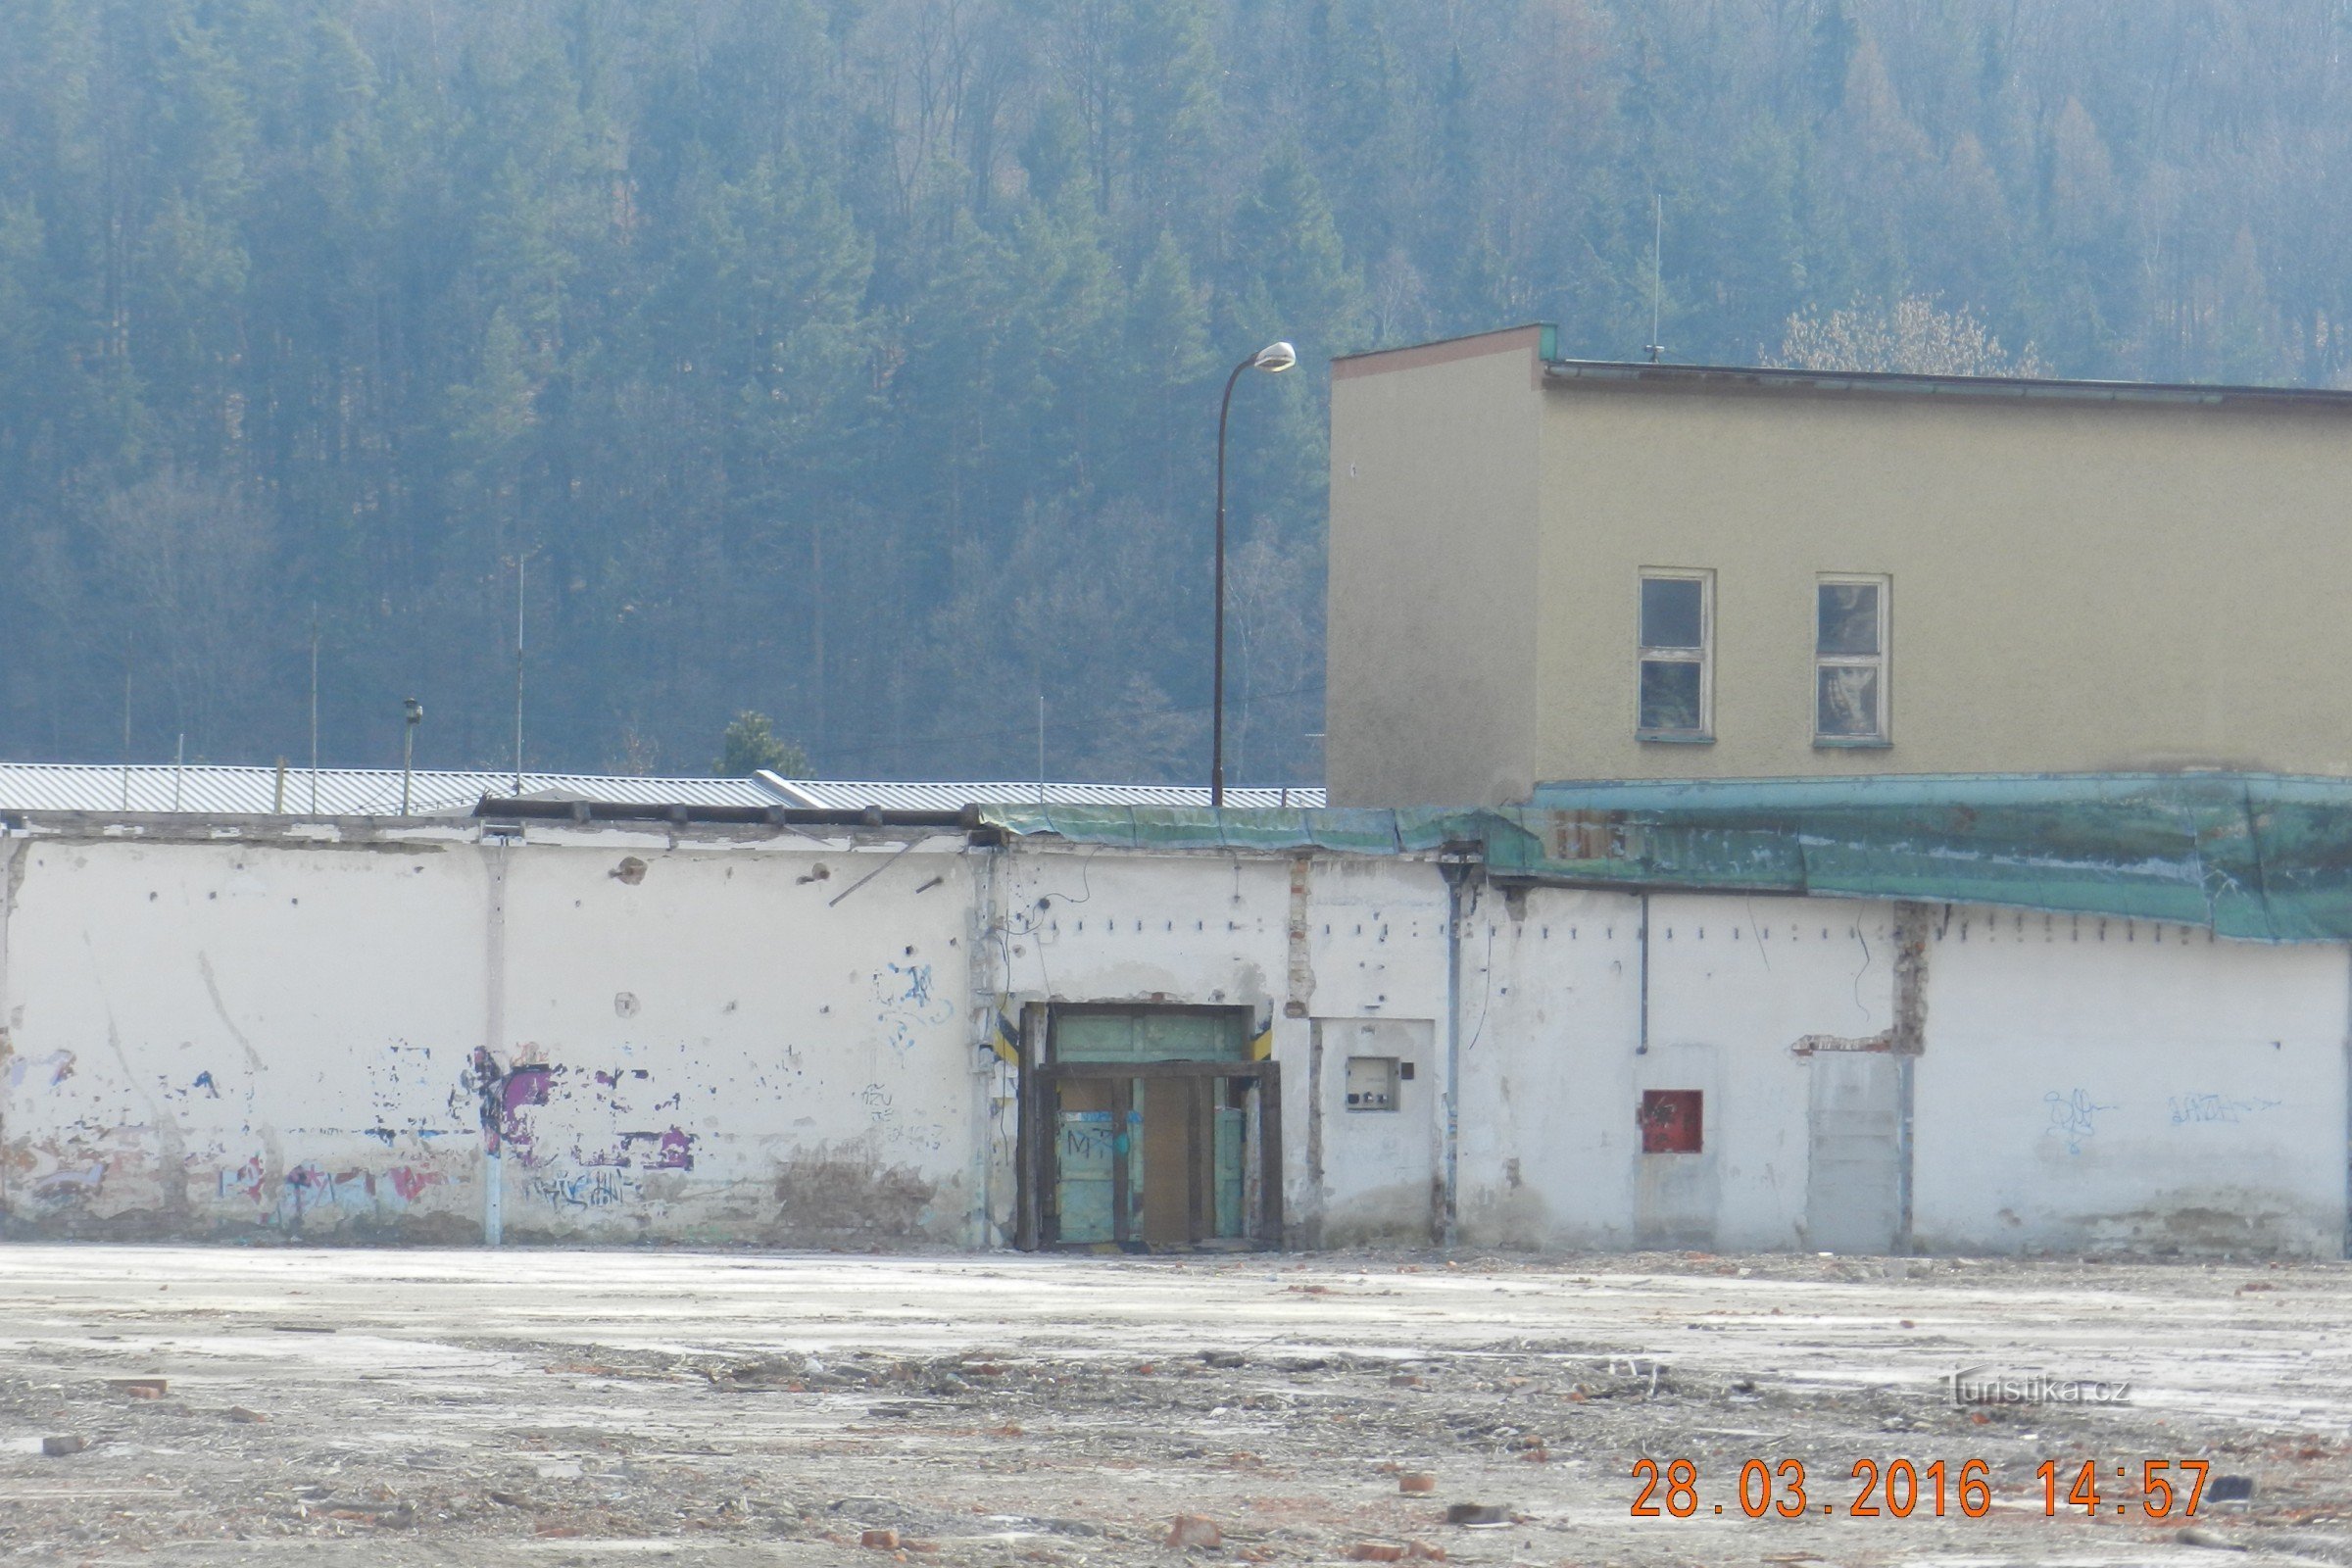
[(1276, 358), (414, 709)]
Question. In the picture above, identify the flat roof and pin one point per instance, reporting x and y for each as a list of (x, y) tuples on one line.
[(1542, 339)]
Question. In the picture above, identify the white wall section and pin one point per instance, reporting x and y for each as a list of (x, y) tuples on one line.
[(791, 1037)]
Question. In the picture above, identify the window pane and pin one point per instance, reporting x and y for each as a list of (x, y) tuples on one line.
[(1670, 695), (1848, 702), (1850, 617), (1670, 612)]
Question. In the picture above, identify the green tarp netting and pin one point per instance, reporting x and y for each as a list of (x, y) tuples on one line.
[(2255, 856)]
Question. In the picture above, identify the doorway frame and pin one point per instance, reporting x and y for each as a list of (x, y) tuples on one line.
[(1035, 1162)]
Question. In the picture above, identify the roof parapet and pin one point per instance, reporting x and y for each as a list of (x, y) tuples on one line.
[(1732, 379)]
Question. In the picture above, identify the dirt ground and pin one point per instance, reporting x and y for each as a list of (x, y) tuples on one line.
[(543, 1407)]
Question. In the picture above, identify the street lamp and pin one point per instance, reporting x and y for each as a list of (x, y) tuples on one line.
[(1274, 359)]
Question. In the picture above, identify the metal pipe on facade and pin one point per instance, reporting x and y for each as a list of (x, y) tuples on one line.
[(1642, 1025), (495, 849), (1457, 875)]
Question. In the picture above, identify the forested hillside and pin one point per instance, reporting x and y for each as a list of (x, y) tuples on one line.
[(857, 360)]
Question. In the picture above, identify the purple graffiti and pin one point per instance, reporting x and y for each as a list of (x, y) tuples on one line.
[(673, 1150), (504, 1094), (524, 1086)]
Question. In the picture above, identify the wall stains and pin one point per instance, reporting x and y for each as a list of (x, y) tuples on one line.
[(831, 1195)]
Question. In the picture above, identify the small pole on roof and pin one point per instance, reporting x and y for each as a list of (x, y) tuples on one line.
[(127, 724), (180, 765), (519, 560), (1657, 251), (1041, 746), (412, 712), (313, 707)]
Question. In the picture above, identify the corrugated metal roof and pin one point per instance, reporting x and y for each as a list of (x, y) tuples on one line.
[(207, 789), (226, 791), (844, 795)]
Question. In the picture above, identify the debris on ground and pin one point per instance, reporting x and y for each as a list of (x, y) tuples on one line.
[(525, 1409)]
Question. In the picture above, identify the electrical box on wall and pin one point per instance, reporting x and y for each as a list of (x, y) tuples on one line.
[(1672, 1120), (1372, 1083)]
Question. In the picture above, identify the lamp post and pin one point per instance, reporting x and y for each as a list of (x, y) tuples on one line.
[(1273, 359)]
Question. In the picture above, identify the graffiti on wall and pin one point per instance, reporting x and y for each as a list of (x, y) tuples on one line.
[(2074, 1117), (908, 1005), (891, 1130), (49, 1071), (2206, 1111), (597, 1187)]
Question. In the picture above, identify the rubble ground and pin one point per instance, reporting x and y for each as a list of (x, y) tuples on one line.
[(313, 1406)]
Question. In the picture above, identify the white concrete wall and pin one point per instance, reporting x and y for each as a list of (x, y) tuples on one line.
[(684, 1040), (718, 1035), (2094, 1083), (1556, 1065)]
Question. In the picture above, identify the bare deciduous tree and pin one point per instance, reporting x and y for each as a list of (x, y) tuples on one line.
[(1913, 334)]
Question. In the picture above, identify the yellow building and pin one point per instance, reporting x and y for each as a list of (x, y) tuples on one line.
[(1563, 569)]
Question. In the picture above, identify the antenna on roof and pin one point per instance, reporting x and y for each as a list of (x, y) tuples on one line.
[(313, 707), (1657, 247), (521, 557)]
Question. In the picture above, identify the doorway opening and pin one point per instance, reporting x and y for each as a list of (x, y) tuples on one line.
[(1148, 1129)]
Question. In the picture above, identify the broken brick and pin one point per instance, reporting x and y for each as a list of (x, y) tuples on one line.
[(59, 1448), (1376, 1552), (1416, 1481), (244, 1418), (880, 1539), (1190, 1529), (1422, 1551)]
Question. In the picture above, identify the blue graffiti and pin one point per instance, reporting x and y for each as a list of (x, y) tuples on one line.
[(907, 1005), (2074, 1116), (2191, 1111)]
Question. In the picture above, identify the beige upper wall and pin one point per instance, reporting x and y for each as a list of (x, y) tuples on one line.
[(1433, 619), (2077, 586)]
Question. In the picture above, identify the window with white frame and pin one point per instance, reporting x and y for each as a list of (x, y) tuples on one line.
[(1676, 690), (1849, 661)]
